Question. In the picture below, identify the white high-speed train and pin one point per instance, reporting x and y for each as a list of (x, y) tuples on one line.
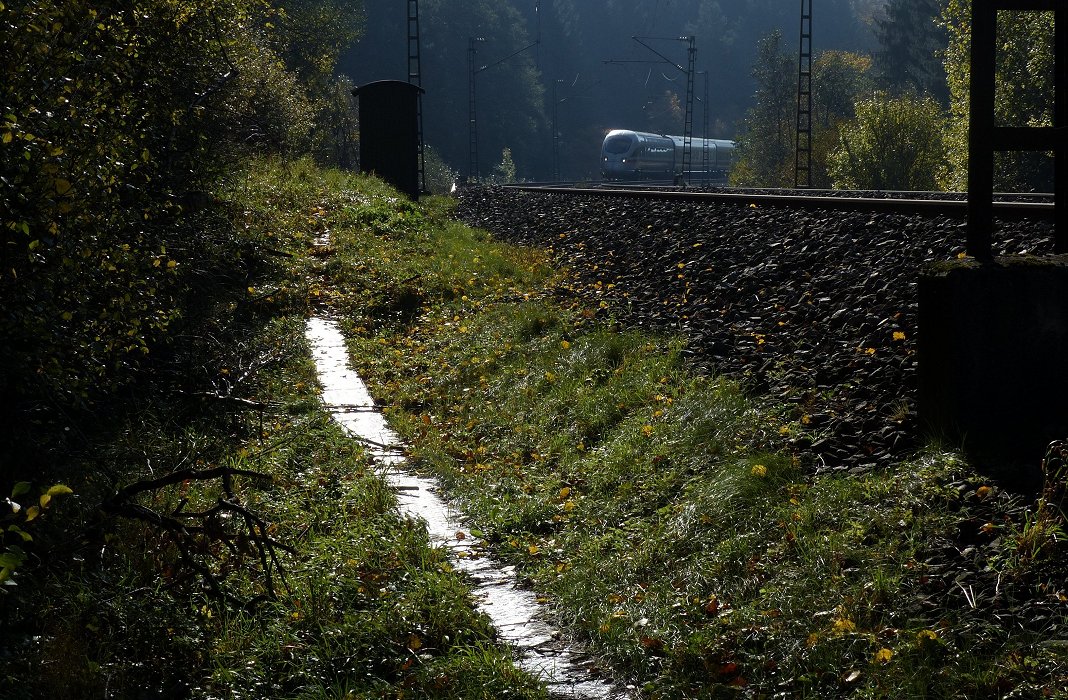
[(636, 155)]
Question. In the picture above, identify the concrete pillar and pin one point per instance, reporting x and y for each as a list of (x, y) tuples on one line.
[(993, 361)]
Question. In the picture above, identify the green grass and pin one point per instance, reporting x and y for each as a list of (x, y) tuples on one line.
[(362, 607), (660, 510)]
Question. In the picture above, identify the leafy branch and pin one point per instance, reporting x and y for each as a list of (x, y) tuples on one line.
[(13, 524), (212, 540)]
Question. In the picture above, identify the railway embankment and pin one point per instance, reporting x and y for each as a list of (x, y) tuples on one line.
[(815, 308), (662, 514), (659, 515)]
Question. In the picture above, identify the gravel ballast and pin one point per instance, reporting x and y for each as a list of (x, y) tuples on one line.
[(814, 308)]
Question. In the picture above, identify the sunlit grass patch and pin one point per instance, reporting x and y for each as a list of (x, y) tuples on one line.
[(350, 601), (664, 516)]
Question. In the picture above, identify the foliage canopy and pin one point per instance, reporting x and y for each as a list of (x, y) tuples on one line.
[(894, 143), (1024, 95), (114, 127)]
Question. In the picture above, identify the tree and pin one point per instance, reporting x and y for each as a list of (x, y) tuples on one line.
[(504, 172), (911, 41), (117, 123), (340, 136), (1024, 95), (510, 95), (839, 79), (768, 143), (440, 178), (766, 146), (894, 143), (577, 38)]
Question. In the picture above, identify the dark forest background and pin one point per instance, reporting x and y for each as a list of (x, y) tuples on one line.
[(578, 41)]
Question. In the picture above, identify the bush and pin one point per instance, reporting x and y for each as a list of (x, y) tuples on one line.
[(115, 126), (894, 143)]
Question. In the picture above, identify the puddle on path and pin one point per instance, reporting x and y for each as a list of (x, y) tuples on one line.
[(515, 612)]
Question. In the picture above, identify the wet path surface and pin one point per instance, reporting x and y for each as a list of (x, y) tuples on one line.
[(540, 649)]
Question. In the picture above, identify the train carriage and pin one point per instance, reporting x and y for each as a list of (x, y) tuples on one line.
[(637, 155)]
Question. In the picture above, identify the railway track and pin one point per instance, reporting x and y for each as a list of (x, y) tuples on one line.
[(953, 205)]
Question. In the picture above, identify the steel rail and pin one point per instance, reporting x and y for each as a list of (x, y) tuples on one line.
[(875, 205)]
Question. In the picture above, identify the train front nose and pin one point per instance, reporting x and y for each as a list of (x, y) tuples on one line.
[(616, 166), (616, 154)]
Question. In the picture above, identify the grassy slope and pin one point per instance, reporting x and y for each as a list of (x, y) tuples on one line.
[(659, 509), (364, 608), (655, 509)]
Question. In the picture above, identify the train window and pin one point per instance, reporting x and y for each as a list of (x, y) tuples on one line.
[(617, 144)]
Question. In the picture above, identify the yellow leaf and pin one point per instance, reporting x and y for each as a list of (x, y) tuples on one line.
[(7, 137), (759, 470), (883, 655), (899, 335), (45, 500), (414, 642), (32, 512), (647, 430), (926, 636), (62, 186), (844, 625), (564, 344), (565, 492), (533, 549), (569, 506)]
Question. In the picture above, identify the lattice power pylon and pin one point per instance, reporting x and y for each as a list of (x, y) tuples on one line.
[(472, 124), (415, 77), (803, 152), (689, 71), (687, 129), (706, 179)]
